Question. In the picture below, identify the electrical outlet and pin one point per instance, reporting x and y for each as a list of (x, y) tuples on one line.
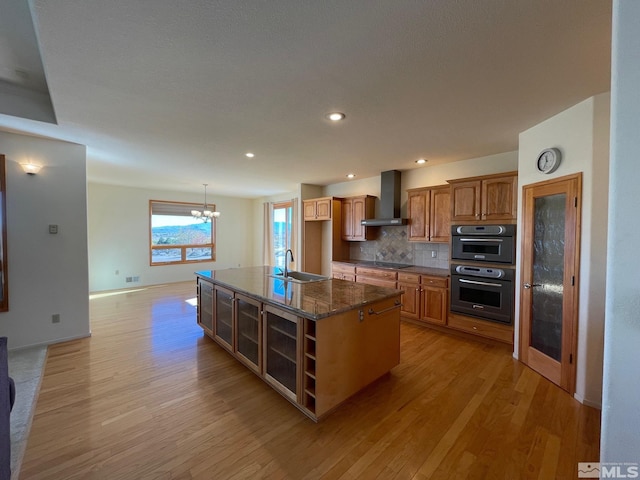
[(55, 318), (129, 279), (434, 254), (136, 278)]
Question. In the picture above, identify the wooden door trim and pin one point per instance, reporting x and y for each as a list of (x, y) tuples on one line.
[(571, 268)]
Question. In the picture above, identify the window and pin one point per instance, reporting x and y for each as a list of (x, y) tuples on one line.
[(282, 224), (176, 237)]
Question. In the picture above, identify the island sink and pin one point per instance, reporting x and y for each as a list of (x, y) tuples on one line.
[(300, 277)]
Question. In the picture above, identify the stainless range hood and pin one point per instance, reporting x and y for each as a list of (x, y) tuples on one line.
[(389, 202)]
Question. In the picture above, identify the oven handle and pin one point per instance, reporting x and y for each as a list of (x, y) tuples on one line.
[(475, 282), (481, 239)]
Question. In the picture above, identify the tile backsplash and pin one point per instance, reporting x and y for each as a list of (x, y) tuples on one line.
[(392, 245)]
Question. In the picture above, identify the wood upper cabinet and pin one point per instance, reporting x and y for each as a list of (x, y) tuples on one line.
[(418, 204), (429, 210), (500, 198), (488, 198), (317, 209), (354, 210)]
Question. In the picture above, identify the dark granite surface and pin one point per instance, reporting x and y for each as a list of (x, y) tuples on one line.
[(314, 300), (436, 272)]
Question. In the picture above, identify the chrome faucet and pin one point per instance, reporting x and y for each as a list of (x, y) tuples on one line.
[(286, 264)]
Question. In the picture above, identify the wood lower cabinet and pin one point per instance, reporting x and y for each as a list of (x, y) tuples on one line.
[(354, 349), (411, 298), (429, 213), (435, 300), (248, 323), (377, 276), (343, 271), (490, 198), (425, 298), (205, 305), (483, 328), (315, 364), (223, 317), (281, 360)]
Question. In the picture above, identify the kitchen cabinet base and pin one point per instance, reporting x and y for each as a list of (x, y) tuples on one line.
[(334, 357), (471, 328)]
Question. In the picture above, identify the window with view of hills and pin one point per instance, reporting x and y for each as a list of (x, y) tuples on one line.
[(176, 236)]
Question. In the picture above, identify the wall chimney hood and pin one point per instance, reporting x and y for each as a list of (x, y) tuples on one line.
[(389, 202)]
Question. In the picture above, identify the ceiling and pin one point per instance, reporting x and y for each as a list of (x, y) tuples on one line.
[(171, 95)]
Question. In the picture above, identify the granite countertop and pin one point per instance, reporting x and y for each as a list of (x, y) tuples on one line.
[(435, 272), (314, 300)]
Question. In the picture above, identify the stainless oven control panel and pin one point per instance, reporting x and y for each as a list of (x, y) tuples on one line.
[(482, 272)]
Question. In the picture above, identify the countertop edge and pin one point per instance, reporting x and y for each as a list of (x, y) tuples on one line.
[(431, 271), (289, 308)]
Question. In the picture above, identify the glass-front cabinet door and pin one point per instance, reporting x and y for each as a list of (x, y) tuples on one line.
[(249, 331), (223, 315), (205, 306), (282, 336)]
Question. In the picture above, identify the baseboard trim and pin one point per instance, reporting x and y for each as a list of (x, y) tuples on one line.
[(587, 402), (52, 342)]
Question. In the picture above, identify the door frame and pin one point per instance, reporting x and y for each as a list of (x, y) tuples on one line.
[(570, 300)]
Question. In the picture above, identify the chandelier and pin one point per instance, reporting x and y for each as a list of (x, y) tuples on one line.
[(205, 215)]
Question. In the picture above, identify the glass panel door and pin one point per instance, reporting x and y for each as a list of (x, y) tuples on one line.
[(205, 305), (248, 329), (224, 316), (281, 358), (548, 275)]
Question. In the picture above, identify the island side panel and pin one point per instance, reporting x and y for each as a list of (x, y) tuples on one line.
[(352, 353)]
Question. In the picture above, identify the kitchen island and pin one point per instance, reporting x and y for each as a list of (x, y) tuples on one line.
[(316, 343)]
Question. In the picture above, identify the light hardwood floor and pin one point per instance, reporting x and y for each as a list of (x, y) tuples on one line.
[(149, 396)]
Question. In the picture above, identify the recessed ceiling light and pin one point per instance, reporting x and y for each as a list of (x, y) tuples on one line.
[(351, 175), (421, 161), (249, 154), (336, 116)]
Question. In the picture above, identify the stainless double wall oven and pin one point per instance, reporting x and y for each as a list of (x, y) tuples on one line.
[(482, 259)]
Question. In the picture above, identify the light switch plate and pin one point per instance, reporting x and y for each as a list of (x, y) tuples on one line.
[(53, 229)]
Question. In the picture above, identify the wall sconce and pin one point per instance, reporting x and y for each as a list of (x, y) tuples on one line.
[(30, 168)]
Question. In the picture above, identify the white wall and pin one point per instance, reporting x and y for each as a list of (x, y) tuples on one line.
[(582, 135), (620, 437), (48, 274), (119, 236)]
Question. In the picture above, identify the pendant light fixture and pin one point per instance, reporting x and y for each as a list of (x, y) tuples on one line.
[(205, 215)]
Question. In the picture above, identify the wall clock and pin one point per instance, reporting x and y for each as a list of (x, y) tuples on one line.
[(549, 160)]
